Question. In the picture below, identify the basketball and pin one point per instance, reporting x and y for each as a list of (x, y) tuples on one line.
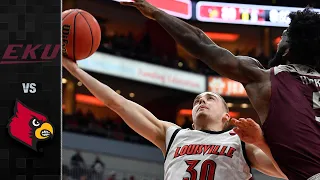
[(81, 34)]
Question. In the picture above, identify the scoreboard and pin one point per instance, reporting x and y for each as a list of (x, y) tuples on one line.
[(244, 14), (230, 13)]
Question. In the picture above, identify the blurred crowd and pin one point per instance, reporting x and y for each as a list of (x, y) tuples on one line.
[(142, 50), (78, 169), (106, 128), (117, 129), (126, 46)]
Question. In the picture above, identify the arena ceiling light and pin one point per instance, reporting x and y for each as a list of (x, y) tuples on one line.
[(230, 105), (87, 99), (64, 80), (244, 105), (216, 36)]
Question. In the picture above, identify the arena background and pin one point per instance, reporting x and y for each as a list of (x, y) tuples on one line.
[(139, 60)]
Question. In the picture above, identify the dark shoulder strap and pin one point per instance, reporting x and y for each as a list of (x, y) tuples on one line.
[(171, 141)]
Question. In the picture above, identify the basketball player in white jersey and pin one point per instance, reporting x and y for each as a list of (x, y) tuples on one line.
[(208, 152)]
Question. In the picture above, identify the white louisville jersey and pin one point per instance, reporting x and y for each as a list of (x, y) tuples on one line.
[(205, 155)]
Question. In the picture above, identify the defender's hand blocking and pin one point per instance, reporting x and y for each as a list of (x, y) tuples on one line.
[(248, 130), (143, 6)]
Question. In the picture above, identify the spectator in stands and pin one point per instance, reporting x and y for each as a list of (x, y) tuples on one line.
[(97, 169), (77, 160), (78, 166)]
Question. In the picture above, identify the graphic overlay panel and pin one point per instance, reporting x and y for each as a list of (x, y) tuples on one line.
[(30, 81)]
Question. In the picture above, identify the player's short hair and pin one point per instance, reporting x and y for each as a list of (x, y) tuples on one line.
[(304, 37), (224, 102)]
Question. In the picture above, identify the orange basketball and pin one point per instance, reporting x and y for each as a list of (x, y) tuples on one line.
[(81, 34)]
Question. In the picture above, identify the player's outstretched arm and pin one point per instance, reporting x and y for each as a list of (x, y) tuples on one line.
[(136, 117), (262, 162), (257, 149), (239, 68)]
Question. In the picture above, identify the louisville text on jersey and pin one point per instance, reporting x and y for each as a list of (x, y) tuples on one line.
[(193, 149)]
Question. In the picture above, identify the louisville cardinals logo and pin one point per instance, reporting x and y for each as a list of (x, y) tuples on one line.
[(29, 127)]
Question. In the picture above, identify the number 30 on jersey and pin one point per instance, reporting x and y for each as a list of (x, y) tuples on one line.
[(207, 169)]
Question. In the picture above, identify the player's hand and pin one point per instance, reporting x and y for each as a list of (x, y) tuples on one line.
[(69, 64), (248, 130), (143, 6)]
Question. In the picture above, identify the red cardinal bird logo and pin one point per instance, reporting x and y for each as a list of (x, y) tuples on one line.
[(28, 126)]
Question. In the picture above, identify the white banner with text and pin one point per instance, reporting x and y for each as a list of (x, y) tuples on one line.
[(144, 72)]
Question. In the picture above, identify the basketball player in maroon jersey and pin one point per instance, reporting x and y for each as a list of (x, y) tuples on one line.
[(286, 97)]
